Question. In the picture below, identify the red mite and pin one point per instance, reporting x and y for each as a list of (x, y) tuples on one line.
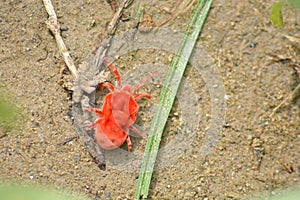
[(118, 113)]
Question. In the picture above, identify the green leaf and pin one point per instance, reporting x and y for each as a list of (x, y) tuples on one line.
[(276, 15)]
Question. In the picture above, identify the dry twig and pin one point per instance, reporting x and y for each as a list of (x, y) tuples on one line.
[(179, 8), (54, 26)]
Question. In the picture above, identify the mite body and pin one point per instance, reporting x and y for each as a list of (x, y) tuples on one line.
[(118, 113)]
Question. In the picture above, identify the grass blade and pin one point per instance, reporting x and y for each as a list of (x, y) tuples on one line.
[(168, 93)]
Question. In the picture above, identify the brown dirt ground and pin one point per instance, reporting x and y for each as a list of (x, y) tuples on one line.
[(254, 83)]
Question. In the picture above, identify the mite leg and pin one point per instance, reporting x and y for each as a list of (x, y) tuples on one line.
[(115, 71), (141, 95), (97, 111), (129, 144), (136, 131), (107, 85), (94, 110), (92, 125), (144, 81)]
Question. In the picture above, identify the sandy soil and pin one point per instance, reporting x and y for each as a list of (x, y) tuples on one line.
[(255, 154)]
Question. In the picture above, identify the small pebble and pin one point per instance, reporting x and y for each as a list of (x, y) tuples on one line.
[(108, 195), (76, 158), (252, 45), (36, 124), (93, 23), (64, 28)]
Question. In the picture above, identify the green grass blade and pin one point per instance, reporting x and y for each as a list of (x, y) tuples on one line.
[(276, 14), (168, 93)]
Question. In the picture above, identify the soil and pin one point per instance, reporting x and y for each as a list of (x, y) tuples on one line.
[(253, 154)]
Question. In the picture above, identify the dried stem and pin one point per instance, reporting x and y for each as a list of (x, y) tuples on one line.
[(113, 23), (54, 26), (179, 8)]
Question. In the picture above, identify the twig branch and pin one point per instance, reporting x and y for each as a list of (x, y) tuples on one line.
[(113, 23), (181, 6), (102, 48), (54, 26)]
